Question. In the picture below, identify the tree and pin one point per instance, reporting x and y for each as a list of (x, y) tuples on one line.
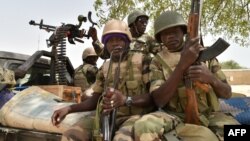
[(229, 18), (231, 65)]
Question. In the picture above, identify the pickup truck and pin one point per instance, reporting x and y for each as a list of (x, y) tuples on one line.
[(39, 73)]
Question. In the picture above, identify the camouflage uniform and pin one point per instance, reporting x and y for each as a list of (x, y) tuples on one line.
[(168, 122), (131, 83), (208, 104), (145, 44), (99, 49), (85, 76), (7, 78)]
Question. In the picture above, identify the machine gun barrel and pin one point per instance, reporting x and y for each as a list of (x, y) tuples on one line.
[(43, 26)]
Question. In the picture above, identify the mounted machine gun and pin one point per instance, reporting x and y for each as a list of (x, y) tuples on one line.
[(58, 43)]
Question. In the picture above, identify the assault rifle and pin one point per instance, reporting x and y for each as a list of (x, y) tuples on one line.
[(108, 121), (191, 110)]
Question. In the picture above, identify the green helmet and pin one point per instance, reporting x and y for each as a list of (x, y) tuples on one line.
[(134, 15), (167, 20)]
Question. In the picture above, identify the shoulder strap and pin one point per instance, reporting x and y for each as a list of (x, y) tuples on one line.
[(165, 66), (84, 74), (130, 67)]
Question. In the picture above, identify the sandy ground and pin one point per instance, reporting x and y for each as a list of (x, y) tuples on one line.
[(244, 89)]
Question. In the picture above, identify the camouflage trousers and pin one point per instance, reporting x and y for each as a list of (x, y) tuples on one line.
[(83, 130), (160, 126), (126, 129)]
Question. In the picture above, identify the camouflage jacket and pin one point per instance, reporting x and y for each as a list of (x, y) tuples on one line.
[(159, 73), (85, 76), (132, 81), (7, 78), (145, 44)]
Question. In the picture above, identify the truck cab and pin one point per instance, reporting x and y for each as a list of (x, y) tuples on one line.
[(39, 73)]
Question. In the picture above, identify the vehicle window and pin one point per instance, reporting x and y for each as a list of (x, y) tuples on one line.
[(36, 75)]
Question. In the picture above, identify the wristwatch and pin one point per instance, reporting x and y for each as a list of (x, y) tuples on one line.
[(129, 101)]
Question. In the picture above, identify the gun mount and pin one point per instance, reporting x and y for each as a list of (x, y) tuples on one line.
[(58, 43)]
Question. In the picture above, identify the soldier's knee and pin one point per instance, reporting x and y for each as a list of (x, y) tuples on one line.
[(148, 124)]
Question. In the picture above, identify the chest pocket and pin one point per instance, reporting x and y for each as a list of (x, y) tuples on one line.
[(207, 101), (131, 83), (134, 83)]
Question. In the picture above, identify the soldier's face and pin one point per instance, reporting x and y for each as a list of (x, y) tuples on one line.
[(91, 60), (116, 45), (141, 24), (172, 38)]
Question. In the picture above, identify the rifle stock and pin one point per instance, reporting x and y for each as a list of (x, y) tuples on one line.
[(191, 109), (191, 103)]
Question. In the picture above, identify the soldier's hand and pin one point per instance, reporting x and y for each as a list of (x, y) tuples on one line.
[(114, 99), (200, 73), (190, 52), (59, 115), (92, 33)]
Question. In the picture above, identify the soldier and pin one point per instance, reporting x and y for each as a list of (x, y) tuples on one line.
[(167, 73), (85, 74), (7, 80), (131, 98), (141, 41), (98, 46)]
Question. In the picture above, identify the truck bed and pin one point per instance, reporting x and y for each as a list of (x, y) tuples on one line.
[(15, 134)]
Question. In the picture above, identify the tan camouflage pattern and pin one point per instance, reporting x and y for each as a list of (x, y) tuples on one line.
[(128, 87), (153, 126), (191, 132), (81, 131), (159, 130), (7, 78), (162, 126), (99, 49), (80, 78), (145, 44), (217, 120), (160, 74), (130, 84), (125, 132)]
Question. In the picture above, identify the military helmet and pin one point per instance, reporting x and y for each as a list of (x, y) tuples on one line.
[(167, 20), (134, 15), (116, 26), (88, 52)]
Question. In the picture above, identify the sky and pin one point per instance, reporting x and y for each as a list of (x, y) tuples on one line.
[(16, 35)]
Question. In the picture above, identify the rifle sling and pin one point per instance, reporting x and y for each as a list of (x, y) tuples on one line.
[(163, 63)]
